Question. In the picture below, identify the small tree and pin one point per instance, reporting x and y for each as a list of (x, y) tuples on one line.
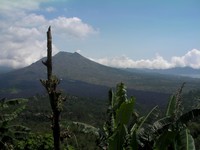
[(55, 97)]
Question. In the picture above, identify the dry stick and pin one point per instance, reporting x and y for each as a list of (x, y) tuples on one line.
[(54, 96)]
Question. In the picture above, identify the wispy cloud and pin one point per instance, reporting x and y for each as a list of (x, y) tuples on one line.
[(23, 39), (50, 9), (190, 59)]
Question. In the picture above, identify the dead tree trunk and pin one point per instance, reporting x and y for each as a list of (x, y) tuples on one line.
[(54, 96)]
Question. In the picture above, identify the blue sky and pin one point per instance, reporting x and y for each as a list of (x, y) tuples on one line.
[(119, 33), (138, 29)]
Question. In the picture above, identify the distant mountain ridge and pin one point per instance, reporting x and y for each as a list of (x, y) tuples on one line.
[(182, 71), (179, 71), (82, 76), (5, 69)]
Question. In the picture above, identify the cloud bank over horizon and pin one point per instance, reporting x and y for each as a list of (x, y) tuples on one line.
[(190, 59), (23, 39)]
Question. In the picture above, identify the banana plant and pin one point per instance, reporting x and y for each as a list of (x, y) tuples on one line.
[(125, 131), (171, 131), (124, 128)]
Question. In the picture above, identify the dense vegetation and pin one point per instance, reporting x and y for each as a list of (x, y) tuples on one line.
[(87, 123)]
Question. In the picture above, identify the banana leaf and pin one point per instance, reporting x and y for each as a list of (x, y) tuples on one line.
[(186, 140)]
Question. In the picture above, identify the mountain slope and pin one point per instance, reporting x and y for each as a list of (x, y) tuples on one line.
[(76, 70), (76, 67)]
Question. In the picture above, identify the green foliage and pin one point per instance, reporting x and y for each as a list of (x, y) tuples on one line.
[(186, 140), (84, 136), (171, 106), (124, 129), (172, 132), (174, 107), (195, 132), (37, 142), (86, 128), (9, 133), (119, 114)]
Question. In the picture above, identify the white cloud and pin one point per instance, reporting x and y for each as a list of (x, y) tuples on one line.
[(190, 59), (73, 27), (15, 54), (13, 8), (31, 20), (23, 32), (22, 45)]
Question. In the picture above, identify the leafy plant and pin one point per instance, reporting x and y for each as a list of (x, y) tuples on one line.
[(10, 133), (124, 129), (36, 142), (171, 131)]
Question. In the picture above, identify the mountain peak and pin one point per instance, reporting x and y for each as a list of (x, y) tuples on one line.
[(68, 53)]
